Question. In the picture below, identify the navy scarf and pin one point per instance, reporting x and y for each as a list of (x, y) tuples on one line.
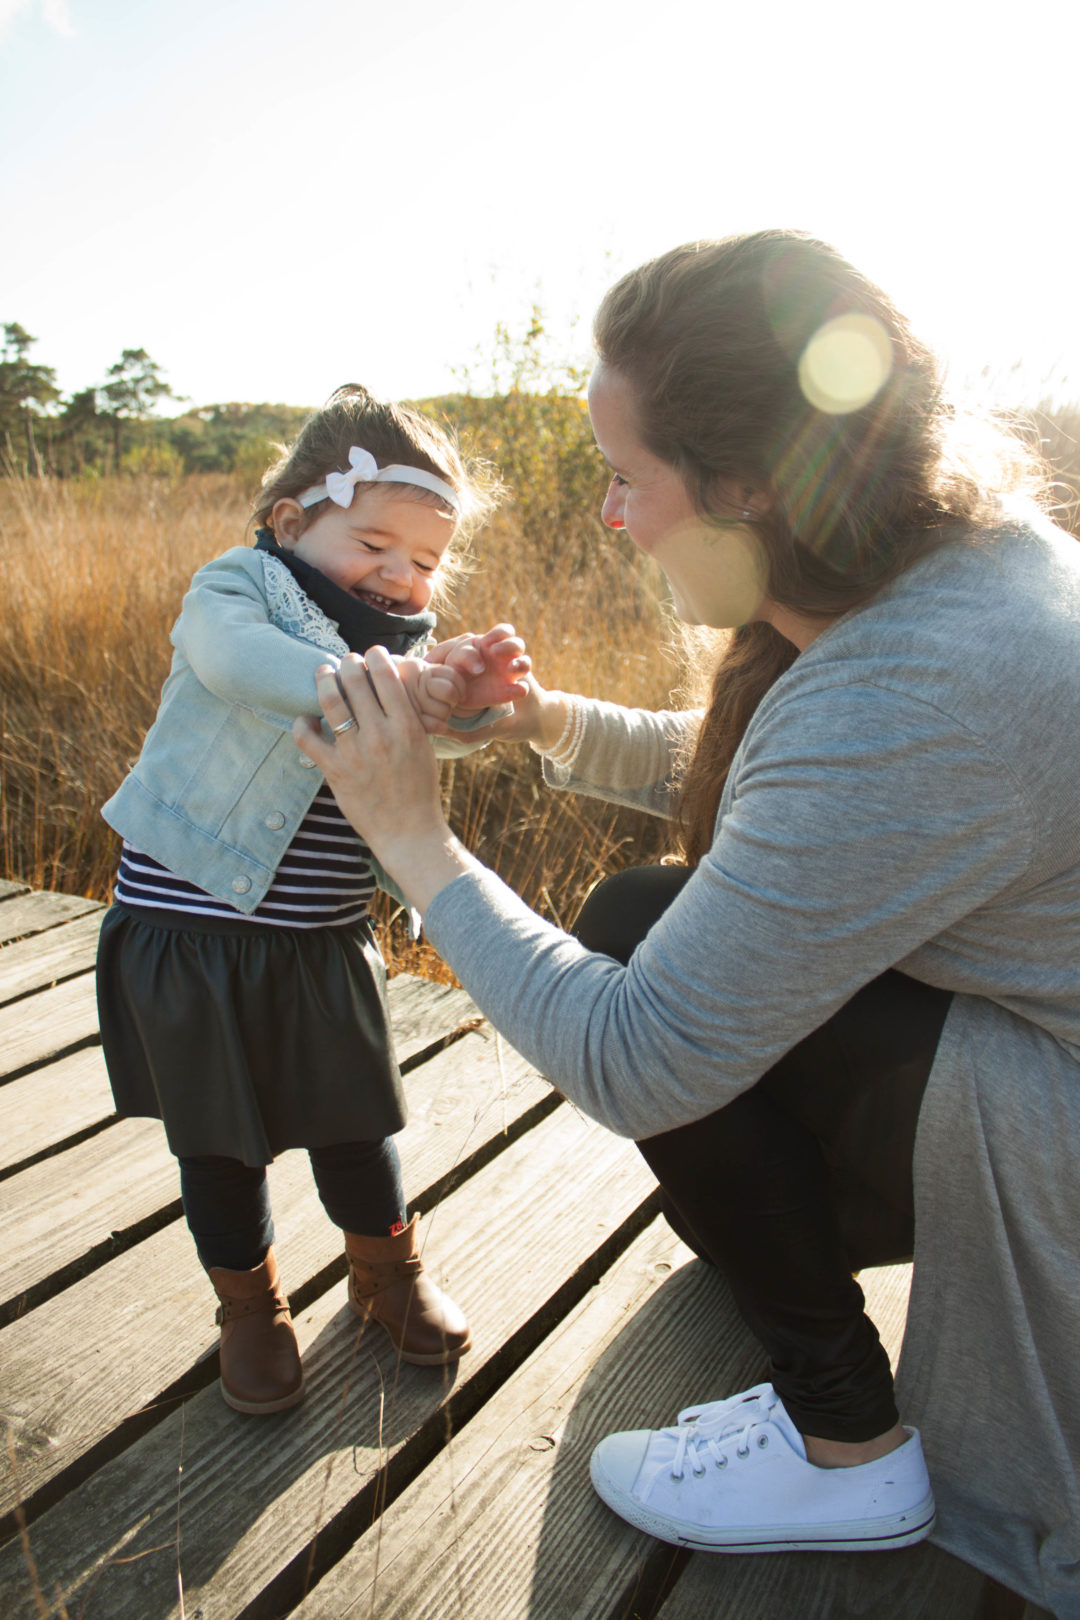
[(358, 623)]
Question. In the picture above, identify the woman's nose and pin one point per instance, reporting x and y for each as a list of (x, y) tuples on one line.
[(611, 513)]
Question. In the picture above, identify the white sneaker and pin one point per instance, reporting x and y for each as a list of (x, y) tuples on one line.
[(732, 1476)]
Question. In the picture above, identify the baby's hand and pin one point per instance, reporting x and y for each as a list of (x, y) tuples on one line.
[(492, 667), (435, 691)]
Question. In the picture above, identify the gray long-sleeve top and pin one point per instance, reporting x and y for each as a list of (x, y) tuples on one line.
[(906, 795)]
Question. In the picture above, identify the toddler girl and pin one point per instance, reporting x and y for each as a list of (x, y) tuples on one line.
[(241, 992)]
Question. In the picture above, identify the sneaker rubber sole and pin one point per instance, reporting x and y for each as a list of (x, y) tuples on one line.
[(903, 1529)]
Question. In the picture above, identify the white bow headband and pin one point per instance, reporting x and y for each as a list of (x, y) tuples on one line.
[(364, 469)]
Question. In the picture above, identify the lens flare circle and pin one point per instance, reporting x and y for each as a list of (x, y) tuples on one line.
[(845, 363)]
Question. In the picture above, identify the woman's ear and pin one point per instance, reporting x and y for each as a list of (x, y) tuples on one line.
[(287, 522), (741, 499), (756, 502)]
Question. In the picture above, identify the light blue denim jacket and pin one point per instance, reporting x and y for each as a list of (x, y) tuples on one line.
[(220, 786)]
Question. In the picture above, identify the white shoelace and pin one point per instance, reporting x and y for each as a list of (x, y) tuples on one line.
[(693, 1442)]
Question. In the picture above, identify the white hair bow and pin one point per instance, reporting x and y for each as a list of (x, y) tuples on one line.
[(364, 469)]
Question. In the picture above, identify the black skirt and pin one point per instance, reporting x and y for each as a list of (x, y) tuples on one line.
[(246, 1039)]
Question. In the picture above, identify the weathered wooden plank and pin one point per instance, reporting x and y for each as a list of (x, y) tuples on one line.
[(422, 1012), (145, 1318), (36, 913), (887, 1289), (78, 1364), (57, 1101), (254, 1492), (36, 1029), (8, 889), (60, 953), (919, 1583), (62, 1209), (49, 1105), (505, 1522)]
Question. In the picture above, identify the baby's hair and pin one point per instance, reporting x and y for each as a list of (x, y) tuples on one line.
[(394, 435)]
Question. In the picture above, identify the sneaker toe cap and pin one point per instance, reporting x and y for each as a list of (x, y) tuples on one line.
[(616, 1463)]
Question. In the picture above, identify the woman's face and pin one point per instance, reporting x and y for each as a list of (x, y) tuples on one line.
[(716, 574)]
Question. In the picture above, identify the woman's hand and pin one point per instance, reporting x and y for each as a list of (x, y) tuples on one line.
[(383, 773), (539, 716)]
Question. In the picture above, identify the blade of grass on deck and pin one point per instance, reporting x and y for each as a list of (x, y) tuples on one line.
[(505, 1522), (518, 1245), (82, 1361), (422, 1012)]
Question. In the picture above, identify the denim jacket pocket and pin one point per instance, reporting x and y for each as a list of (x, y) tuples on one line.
[(223, 770)]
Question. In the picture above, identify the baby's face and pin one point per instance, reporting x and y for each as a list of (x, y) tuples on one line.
[(385, 549)]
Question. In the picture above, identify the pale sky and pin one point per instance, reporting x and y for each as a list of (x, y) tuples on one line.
[(277, 196)]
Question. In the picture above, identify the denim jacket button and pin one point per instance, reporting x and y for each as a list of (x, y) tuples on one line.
[(241, 885), (275, 821), (306, 764)]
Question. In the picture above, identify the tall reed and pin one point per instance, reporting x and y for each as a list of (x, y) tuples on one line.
[(94, 574)]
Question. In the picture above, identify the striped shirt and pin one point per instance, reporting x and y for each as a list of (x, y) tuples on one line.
[(324, 880)]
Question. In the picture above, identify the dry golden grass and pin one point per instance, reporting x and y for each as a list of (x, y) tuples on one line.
[(94, 574)]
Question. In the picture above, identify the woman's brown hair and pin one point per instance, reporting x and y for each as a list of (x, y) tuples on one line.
[(710, 337)]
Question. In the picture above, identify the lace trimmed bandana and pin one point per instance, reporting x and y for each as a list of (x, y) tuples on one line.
[(359, 624)]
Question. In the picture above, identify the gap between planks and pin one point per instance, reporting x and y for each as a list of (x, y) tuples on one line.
[(64, 1213), (28, 914), (255, 1490), (466, 1105)]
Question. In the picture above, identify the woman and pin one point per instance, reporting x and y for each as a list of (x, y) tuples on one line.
[(880, 925)]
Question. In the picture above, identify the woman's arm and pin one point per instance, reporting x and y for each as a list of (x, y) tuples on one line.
[(609, 752), (836, 859), (539, 716)]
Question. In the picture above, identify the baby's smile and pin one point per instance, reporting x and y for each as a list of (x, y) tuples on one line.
[(383, 602)]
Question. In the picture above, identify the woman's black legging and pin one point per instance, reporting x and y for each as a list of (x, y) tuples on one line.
[(802, 1179)]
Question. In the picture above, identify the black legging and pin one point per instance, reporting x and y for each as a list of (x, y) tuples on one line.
[(802, 1179), (227, 1203)]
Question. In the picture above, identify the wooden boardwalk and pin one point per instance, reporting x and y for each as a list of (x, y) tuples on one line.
[(131, 1492)]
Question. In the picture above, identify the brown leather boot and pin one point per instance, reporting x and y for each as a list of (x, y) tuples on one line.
[(260, 1359), (388, 1285)]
